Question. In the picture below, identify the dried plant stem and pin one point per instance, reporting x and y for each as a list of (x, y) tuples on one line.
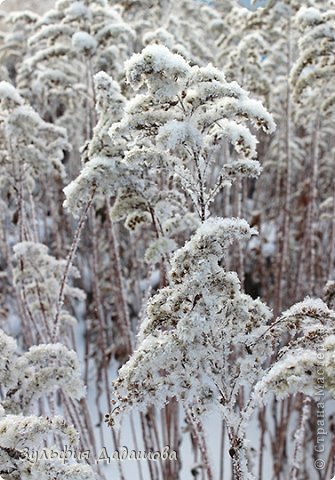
[(202, 204), (133, 432), (239, 214), (235, 453), (152, 422), (69, 262), (313, 204), (176, 435), (34, 219), (102, 338), (146, 445), (222, 449), (263, 427), (284, 251), (300, 438), (199, 435), (123, 314), (73, 415), (280, 438)]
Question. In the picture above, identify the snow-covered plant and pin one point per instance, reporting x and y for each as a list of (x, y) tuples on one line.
[(101, 157), (38, 372), (102, 172), (299, 154), (37, 276), (25, 379), (183, 27), (14, 42), (194, 344), (168, 147), (307, 357), (311, 80), (272, 30), (175, 129), (38, 145), (195, 29), (245, 64), (172, 132), (69, 45), (41, 370), (32, 151), (31, 154), (314, 69)]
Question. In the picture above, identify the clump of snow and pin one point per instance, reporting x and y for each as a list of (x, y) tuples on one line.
[(162, 70), (83, 42), (9, 92), (156, 59), (263, 119), (243, 168), (175, 133), (240, 136), (159, 36), (77, 10), (309, 16), (309, 306), (289, 376), (159, 248)]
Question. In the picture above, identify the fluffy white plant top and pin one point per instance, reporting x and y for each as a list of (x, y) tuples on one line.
[(175, 133), (301, 371), (185, 114), (204, 103), (211, 238), (18, 431), (159, 248), (24, 379), (39, 145), (102, 172), (191, 328), (154, 66), (52, 365), (289, 376), (83, 42), (104, 169), (109, 97), (9, 94), (39, 275), (7, 354), (37, 264), (41, 370), (23, 118), (176, 124), (243, 168), (160, 36), (311, 351), (50, 32), (311, 315), (309, 16), (78, 10), (244, 141), (313, 71), (312, 307)]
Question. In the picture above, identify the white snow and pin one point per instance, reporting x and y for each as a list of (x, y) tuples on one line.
[(9, 92), (83, 42)]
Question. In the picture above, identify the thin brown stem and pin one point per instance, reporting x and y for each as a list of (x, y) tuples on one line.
[(69, 262)]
